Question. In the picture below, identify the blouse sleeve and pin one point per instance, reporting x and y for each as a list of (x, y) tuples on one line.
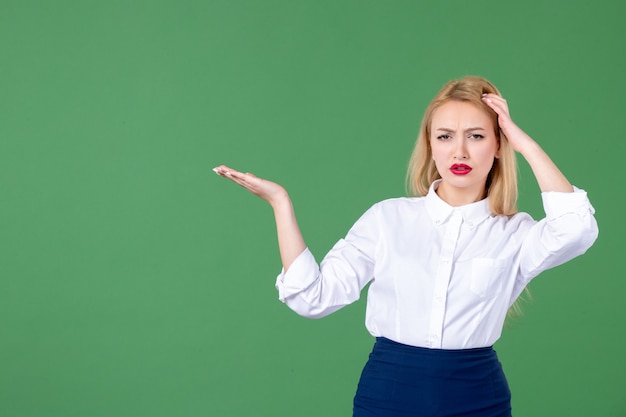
[(567, 231), (315, 291)]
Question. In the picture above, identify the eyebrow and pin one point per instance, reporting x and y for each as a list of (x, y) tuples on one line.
[(447, 129)]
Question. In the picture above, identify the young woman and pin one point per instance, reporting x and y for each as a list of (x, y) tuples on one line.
[(445, 266)]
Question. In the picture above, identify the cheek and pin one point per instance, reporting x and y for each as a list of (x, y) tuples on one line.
[(487, 153), (440, 158), (435, 152), (495, 153)]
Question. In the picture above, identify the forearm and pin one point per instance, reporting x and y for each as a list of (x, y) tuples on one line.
[(548, 175), (290, 241)]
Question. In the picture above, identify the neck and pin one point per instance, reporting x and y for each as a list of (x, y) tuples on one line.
[(459, 197)]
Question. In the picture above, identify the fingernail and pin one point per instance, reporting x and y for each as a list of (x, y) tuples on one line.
[(216, 171), (227, 173), (484, 94)]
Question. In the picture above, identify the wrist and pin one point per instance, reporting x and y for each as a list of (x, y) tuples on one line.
[(281, 201), (529, 148)]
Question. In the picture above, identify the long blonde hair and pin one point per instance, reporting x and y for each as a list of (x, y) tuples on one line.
[(501, 186)]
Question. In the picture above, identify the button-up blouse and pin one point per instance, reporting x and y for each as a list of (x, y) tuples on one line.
[(440, 276)]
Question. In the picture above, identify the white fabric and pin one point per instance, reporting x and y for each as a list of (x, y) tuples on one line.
[(441, 276)]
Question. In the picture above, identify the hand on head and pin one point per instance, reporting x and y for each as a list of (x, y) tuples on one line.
[(515, 135)]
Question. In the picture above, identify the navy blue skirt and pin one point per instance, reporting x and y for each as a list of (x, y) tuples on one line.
[(406, 381)]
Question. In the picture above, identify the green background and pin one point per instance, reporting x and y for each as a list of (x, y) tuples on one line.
[(135, 282)]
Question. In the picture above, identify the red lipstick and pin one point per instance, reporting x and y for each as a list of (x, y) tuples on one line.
[(460, 169)]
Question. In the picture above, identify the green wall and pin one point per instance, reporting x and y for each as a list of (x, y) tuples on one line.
[(135, 282)]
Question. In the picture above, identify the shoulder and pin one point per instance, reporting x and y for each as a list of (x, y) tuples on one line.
[(393, 210), (520, 221), (521, 217), (399, 204)]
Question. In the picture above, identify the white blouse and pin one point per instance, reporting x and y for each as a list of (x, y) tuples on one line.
[(441, 276)]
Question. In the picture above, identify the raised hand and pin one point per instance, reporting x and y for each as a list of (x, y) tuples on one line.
[(267, 190), (518, 139)]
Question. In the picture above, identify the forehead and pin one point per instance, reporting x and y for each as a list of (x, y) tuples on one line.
[(460, 114)]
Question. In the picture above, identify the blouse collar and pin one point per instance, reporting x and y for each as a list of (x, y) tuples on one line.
[(440, 211)]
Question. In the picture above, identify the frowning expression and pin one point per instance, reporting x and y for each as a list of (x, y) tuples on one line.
[(464, 145)]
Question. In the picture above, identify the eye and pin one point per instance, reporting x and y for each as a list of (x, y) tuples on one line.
[(445, 136), (476, 136)]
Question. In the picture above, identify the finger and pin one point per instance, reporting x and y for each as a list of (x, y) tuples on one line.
[(240, 175), (240, 181), (221, 170), (225, 171), (247, 181), (493, 99), (498, 105)]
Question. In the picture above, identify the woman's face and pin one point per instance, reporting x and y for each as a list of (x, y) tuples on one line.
[(464, 145)]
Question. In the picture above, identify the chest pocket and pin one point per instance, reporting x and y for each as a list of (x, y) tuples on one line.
[(487, 277)]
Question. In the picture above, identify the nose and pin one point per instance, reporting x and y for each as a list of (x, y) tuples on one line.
[(460, 151)]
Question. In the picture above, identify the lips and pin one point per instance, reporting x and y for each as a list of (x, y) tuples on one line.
[(460, 169)]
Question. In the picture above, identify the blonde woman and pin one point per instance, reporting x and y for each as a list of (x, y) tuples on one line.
[(446, 265)]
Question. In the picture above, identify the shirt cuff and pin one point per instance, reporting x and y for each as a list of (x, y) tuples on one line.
[(302, 272), (557, 204)]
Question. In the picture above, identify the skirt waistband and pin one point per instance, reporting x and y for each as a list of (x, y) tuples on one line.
[(384, 343), (406, 355)]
